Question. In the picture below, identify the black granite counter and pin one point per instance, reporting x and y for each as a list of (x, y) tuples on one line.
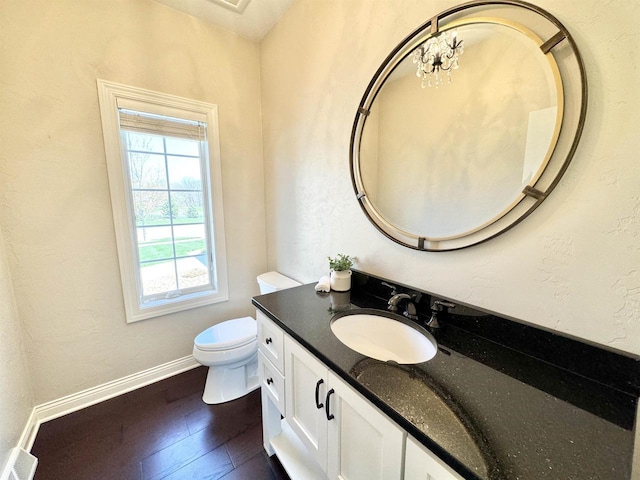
[(500, 400)]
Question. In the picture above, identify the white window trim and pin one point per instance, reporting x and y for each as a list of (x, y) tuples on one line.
[(109, 93)]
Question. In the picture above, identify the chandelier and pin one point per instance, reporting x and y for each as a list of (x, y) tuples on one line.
[(440, 52)]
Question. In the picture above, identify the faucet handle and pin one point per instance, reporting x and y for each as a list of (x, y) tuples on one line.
[(392, 287), (440, 305)]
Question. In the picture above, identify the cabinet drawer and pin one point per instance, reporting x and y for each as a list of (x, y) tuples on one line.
[(270, 341), (271, 381)]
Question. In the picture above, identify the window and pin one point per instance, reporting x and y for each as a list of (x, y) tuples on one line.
[(166, 192)]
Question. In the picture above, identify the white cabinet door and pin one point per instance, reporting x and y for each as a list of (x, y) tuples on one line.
[(364, 444), (348, 437), (305, 391), (421, 464)]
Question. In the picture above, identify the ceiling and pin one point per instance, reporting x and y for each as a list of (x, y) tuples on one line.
[(249, 18)]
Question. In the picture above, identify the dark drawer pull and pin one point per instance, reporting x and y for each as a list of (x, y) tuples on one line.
[(269, 381), (329, 414), (318, 404), (268, 341)]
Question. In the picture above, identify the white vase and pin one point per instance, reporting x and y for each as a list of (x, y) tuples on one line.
[(341, 281)]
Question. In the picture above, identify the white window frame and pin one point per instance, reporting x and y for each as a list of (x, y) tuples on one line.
[(170, 105)]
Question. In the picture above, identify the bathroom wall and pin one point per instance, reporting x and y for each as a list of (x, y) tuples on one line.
[(16, 400), (572, 266), (55, 206)]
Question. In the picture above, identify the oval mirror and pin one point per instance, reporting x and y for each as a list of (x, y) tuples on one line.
[(463, 132)]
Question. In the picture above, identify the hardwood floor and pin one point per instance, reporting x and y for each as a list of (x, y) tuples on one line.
[(162, 431)]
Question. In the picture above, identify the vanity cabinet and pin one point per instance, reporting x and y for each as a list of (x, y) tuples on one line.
[(421, 464), (320, 427), (317, 424), (346, 435), (482, 408)]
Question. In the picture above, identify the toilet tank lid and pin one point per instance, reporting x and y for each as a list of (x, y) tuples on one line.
[(277, 280), (228, 334)]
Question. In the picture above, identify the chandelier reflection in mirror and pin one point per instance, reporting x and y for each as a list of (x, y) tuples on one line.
[(439, 52)]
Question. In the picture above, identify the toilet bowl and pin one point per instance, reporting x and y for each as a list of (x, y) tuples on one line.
[(230, 350)]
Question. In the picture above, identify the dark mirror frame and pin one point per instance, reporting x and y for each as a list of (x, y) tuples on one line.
[(556, 41)]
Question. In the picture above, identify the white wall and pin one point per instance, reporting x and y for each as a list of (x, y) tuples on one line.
[(55, 206), (572, 266), (16, 400)]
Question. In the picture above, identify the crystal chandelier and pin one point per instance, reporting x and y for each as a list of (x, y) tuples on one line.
[(439, 52)]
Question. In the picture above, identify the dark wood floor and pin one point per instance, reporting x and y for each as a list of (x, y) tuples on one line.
[(162, 431)]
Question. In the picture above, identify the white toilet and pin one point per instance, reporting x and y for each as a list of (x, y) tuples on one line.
[(230, 350)]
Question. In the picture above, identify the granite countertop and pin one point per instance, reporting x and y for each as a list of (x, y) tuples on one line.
[(493, 403)]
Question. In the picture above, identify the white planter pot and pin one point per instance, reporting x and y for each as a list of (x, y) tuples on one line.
[(341, 281)]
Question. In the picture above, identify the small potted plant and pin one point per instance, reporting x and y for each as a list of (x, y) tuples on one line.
[(340, 272)]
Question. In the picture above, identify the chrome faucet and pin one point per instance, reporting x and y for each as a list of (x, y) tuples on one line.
[(439, 306), (410, 312), (393, 302)]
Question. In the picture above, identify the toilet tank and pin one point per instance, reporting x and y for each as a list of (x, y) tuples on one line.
[(272, 281)]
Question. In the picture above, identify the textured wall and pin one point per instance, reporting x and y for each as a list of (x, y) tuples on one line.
[(572, 266), (16, 400), (56, 210)]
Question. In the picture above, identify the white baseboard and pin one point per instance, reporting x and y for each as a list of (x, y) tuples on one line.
[(91, 396)]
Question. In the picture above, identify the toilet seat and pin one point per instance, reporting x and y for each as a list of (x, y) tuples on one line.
[(228, 335)]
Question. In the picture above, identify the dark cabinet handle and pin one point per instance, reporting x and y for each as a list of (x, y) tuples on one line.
[(269, 381), (268, 340), (318, 404), (329, 415)]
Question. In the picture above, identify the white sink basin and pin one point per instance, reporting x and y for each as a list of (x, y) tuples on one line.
[(384, 338)]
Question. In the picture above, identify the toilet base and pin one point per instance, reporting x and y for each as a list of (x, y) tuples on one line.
[(229, 382)]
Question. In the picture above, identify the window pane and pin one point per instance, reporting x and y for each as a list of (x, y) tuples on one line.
[(154, 243), (193, 272), (144, 142), (147, 170), (189, 206), (158, 278), (180, 146), (190, 240), (151, 208), (184, 173)]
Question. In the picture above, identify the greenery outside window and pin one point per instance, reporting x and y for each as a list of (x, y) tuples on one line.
[(164, 176)]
